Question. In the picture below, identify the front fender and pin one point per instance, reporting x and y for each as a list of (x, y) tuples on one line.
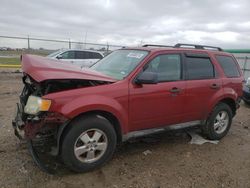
[(85, 104)]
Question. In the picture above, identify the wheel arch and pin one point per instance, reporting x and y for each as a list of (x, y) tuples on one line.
[(229, 101), (100, 114)]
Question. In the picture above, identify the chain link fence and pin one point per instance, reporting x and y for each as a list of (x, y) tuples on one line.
[(244, 62), (11, 47)]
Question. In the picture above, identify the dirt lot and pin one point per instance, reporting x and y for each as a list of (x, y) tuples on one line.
[(171, 162)]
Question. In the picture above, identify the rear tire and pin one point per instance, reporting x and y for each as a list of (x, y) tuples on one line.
[(219, 122), (88, 144)]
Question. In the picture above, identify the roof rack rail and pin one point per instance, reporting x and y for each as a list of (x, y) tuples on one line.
[(156, 45), (202, 47)]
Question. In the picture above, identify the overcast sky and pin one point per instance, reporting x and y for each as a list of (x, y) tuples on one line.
[(224, 23)]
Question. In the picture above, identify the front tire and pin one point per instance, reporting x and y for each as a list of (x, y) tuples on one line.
[(88, 143), (219, 122)]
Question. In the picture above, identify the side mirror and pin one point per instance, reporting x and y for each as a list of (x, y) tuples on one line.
[(147, 78), (59, 57)]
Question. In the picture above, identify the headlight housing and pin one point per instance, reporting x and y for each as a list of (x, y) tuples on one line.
[(36, 104)]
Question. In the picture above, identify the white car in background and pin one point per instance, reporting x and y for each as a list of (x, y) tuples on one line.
[(81, 58)]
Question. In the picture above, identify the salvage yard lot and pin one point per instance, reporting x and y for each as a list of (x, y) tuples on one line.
[(171, 162)]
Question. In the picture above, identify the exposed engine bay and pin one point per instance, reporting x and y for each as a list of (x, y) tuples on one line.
[(52, 86)]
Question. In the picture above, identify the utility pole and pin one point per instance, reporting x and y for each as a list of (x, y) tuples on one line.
[(107, 47), (69, 44), (28, 42), (85, 39)]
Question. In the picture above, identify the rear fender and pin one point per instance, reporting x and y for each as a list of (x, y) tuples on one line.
[(218, 99)]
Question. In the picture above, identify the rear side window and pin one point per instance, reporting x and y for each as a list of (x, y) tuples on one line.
[(199, 68), (82, 55), (228, 65), (87, 55), (94, 55)]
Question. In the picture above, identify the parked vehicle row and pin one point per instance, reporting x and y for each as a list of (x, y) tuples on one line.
[(81, 115)]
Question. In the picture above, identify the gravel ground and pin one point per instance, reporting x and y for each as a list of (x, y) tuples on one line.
[(165, 160)]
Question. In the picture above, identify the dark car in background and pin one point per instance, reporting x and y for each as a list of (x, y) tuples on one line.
[(246, 92)]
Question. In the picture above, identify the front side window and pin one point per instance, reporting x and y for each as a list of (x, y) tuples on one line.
[(119, 64), (228, 65), (199, 68), (167, 67), (68, 55)]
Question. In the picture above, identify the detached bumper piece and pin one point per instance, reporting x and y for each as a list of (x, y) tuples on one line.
[(18, 123), (40, 163)]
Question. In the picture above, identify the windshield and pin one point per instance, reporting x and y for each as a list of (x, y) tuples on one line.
[(120, 63)]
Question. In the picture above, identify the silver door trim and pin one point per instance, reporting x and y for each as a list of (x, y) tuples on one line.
[(135, 134)]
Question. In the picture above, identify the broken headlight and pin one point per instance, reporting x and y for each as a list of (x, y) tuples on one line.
[(36, 104)]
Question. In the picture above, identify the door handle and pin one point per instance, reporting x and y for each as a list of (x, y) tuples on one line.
[(215, 86), (175, 90)]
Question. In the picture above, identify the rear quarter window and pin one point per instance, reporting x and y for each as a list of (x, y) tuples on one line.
[(199, 68), (228, 65), (94, 55)]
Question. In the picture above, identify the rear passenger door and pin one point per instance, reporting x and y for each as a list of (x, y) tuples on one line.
[(202, 85)]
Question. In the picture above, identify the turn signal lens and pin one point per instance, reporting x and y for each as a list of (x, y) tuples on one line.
[(45, 105)]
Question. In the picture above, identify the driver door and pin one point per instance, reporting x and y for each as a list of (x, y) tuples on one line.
[(161, 104)]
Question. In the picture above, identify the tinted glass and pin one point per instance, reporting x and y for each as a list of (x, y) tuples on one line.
[(82, 55), (68, 55), (94, 55), (199, 68), (228, 65), (168, 67)]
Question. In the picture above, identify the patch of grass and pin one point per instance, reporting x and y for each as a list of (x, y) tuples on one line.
[(13, 57), (26, 51), (10, 61)]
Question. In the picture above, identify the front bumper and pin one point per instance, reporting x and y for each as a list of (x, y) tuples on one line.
[(42, 125), (41, 134)]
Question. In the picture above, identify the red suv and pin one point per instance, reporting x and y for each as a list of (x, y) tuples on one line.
[(81, 114)]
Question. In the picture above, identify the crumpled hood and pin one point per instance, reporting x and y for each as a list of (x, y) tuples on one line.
[(42, 68)]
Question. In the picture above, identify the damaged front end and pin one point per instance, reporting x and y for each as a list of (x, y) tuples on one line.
[(35, 123)]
